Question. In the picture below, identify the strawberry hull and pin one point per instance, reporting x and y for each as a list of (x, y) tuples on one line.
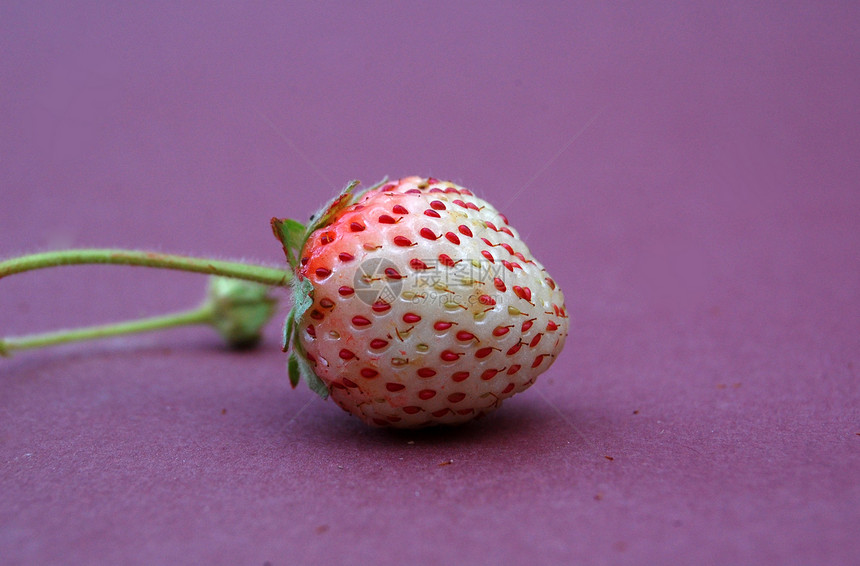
[(426, 307)]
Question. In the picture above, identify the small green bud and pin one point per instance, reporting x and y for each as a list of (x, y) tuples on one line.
[(240, 310)]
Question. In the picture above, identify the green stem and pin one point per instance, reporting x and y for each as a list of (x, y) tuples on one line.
[(237, 270), (200, 315)]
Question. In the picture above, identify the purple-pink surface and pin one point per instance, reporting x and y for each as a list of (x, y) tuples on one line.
[(687, 172)]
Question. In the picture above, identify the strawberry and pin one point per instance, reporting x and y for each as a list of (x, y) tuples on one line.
[(417, 304)]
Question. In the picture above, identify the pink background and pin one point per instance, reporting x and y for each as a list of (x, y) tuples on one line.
[(687, 172)]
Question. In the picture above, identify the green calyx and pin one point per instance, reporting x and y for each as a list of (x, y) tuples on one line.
[(293, 236)]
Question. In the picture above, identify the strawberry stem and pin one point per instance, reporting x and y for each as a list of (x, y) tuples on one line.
[(237, 270), (237, 305), (200, 315), (238, 310)]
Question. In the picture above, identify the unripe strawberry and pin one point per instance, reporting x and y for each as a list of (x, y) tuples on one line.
[(240, 310), (417, 304)]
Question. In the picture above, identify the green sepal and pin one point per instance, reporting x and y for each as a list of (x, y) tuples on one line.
[(324, 215), (302, 301), (347, 197), (288, 331), (298, 369), (298, 366), (291, 234), (303, 296), (314, 382), (293, 370)]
